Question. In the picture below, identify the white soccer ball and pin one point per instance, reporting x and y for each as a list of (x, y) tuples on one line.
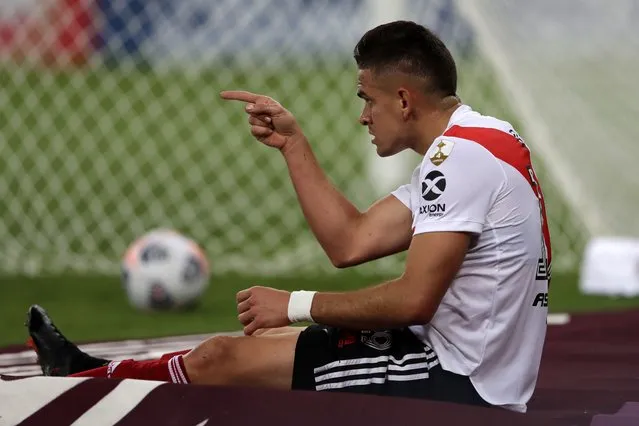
[(164, 270)]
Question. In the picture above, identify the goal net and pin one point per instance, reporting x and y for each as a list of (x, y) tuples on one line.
[(111, 123)]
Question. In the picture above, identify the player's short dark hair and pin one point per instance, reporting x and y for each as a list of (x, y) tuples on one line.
[(411, 48)]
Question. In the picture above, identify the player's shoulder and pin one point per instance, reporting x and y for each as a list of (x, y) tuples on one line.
[(472, 146)]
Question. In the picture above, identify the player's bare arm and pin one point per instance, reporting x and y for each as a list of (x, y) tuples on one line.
[(348, 236), (410, 299)]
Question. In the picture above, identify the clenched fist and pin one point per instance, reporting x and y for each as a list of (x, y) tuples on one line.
[(262, 307)]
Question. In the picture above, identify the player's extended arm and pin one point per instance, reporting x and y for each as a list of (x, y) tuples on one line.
[(433, 261), (348, 236)]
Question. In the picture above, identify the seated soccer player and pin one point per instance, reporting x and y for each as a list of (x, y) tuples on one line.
[(465, 322)]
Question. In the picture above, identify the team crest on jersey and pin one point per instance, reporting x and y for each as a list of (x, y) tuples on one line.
[(444, 147)]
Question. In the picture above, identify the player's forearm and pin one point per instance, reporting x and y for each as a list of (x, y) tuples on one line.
[(392, 304), (330, 215)]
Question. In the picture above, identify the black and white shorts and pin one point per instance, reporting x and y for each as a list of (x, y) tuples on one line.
[(381, 362)]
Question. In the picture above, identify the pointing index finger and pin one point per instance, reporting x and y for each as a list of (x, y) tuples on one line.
[(240, 95)]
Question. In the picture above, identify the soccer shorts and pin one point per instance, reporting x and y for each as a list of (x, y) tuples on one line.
[(382, 362)]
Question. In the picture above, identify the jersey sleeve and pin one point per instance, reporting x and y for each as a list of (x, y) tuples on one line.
[(459, 182), (403, 194)]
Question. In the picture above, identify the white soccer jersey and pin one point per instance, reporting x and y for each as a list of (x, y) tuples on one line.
[(491, 324)]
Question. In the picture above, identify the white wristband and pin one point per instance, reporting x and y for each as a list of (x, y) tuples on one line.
[(299, 306)]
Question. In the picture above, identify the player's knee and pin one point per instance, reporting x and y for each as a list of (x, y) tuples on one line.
[(210, 358)]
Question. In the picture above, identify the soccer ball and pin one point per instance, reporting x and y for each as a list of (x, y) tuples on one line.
[(164, 270)]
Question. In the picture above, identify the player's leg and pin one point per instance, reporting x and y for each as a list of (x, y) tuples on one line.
[(220, 360), (264, 361), (255, 361), (239, 360)]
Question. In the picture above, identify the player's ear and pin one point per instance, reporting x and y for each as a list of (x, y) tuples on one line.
[(405, 101)]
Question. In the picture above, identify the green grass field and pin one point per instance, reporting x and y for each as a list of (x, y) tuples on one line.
[(89, 309)]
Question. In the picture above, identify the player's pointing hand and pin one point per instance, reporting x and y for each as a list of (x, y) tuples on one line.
[(271, 123)]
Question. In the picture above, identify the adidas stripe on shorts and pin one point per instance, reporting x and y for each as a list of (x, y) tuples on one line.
[(381, 362)]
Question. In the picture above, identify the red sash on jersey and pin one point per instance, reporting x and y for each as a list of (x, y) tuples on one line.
[(511, 149)]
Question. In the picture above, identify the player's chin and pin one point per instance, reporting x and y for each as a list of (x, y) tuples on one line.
[(383, 151)]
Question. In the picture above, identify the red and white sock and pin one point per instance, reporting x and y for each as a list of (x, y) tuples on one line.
[(177, 371), (165, 370)]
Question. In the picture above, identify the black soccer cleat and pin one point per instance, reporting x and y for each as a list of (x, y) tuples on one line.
[(57, 356)]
